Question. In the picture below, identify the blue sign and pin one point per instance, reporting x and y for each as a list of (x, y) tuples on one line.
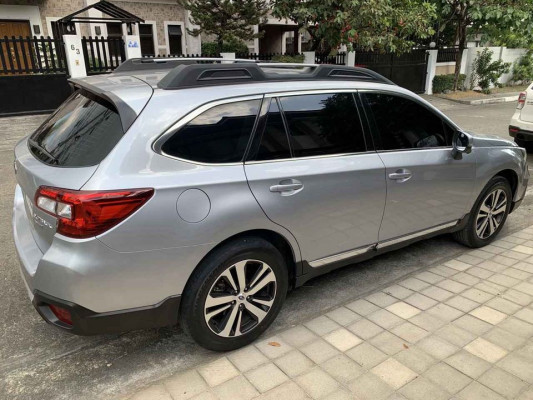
[(133, 43)]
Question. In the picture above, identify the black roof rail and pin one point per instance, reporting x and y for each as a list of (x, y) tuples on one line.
[(198, 75), (165, 63)]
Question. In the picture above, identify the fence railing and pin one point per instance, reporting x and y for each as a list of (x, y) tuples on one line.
[(448, 54), (338, 59), (102, 55), (31, 55)]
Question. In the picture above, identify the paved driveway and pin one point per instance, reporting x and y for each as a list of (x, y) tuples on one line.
[(38, 361)]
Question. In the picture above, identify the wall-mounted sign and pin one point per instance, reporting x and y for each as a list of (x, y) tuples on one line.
[(133, 44)]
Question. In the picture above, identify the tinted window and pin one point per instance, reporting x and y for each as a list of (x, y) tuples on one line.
[(219, 135), (405, 124), (81, 133), (270, 141), (323, 124)]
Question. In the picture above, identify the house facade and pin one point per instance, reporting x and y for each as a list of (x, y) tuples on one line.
[(164, 30)]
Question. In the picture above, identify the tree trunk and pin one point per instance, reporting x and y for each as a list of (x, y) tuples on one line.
[(459, 59), (219, 44)]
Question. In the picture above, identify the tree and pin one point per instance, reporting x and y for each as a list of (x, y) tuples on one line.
[(226, 19), (386, 25), (476, 15)]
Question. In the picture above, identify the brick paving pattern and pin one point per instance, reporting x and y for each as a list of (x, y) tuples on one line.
[(460, 330)]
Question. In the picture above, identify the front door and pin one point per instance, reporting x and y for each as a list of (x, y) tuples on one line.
[(318, 178), (16, 55), (426, 186)]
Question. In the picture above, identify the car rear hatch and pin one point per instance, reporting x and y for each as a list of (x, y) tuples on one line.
[(65, 151), (526, 114)]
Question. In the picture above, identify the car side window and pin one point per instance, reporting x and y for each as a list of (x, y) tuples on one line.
[(322, 124), (218, 135), (270, 141), (404, 124)]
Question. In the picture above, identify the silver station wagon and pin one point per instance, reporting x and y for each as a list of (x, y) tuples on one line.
[(200, 192)]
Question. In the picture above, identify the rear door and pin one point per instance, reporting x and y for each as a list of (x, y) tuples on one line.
[(313, 172), (426, 186)]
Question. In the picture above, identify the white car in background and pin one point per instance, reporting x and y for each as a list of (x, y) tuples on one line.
[(521, 126)]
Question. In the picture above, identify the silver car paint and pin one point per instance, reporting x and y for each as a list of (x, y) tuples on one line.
[(151, 255)]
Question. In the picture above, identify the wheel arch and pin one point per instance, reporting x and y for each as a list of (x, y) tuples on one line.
[(275, 238), (512, 178)]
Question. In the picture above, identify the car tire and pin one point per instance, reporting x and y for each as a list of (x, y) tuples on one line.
[(217, 311), (477, 232)]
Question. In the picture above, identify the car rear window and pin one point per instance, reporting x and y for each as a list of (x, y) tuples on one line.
[(80, 133)]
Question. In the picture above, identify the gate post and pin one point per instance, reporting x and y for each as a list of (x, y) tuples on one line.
[(431, 69), (350, 59), (309, 57), (132, 47), (227, 56), (74, 56)]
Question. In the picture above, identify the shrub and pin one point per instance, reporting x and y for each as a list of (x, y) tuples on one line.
[(523, 68), (486, 72), (232, 45), (442, 83), (298, 58)]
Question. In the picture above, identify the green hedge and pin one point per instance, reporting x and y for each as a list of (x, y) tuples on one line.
[(229, 46), (289, 59), (445, 82)]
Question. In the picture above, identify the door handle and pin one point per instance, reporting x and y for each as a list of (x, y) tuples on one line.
[(401, 175), (287, 187)]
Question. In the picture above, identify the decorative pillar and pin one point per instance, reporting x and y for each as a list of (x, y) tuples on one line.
[(132, 46), (431, 69), (74, 56)]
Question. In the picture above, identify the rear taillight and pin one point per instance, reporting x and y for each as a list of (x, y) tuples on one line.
[(83, 214), (61, 314), (521, 100)]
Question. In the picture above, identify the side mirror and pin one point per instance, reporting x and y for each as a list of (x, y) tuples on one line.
[(462, 143)]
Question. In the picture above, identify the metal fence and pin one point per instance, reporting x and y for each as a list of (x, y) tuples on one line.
[(448, 54), (31, 55), (264, 56), (337, 59), (102, 55)]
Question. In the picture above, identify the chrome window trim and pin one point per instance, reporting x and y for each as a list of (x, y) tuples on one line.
[(310, 157), (157, 144)]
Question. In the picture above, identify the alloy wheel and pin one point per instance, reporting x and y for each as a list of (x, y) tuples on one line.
[(240, 298), (491, 213)]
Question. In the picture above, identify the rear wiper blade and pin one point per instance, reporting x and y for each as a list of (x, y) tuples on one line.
[(33, 143)]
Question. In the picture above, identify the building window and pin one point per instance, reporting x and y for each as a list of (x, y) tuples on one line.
[(174, 39), (114, 29), (146, 34)]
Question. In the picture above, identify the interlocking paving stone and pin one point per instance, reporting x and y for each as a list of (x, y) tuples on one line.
[(455, 335), (319, 351), (185, 385), (388, 343), (385, 319), (502, 382), (370, 387), (298, 336), (218, 371), (342, 339), (247, 358), (394, 373), (266, 377), (403, 310), (416, 359), (472, 324), (468, 364), (420, 301), (154, 392), (381, 299), (423, 389), (342, 368), (525, 315), (505, 339), (288, 390), (458, 265), (429, 277), (409, 332), (437, 347), (414, 284), (273, 347), (462, 303), (486, 350), (517, 326), (237, 388), (476, 391), (343, 316), (317, 383), (436, 293), (447, 377), (518, 366), (503, 305), (294, 363), (476, 295), (445, 312), (362, 307), (322, 325), (398, 291), (366, 355), (365, 329)]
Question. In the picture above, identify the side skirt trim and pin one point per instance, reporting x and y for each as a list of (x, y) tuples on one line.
[(411, 236)]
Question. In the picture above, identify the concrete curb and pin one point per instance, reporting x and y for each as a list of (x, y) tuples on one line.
[(490, 100)]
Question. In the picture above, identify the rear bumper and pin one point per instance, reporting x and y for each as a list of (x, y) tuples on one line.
[(520, 133), (86, 322)]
